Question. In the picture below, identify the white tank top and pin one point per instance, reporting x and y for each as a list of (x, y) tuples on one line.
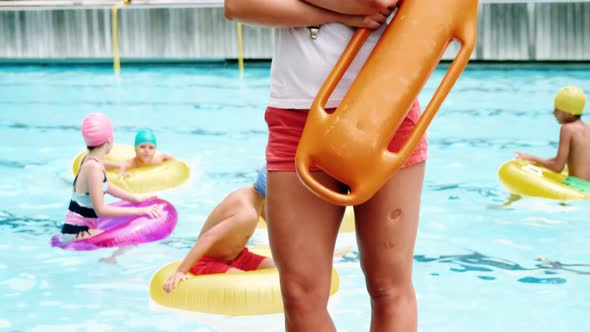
[(300, 64)]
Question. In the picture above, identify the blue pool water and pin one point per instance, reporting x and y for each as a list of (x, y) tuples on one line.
[(476, 265)]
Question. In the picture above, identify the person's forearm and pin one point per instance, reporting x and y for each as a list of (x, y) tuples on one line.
[(197, 251), (550, 164), (120, 193), (349, 7), (111, 164), (279, 13), (114, 211)]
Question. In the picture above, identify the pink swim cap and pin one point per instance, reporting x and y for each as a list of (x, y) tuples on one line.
[(96, 129)]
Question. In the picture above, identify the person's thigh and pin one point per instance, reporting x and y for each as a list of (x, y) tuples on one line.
[(302, 230), (386, 227)]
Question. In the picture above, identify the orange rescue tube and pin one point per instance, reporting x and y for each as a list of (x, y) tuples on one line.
[(351, 144)]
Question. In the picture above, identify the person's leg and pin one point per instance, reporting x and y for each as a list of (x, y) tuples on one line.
[(119, 252), (302, 231), (386, 227), (513, 198), (267, 263), (92, 232), (80, 227)]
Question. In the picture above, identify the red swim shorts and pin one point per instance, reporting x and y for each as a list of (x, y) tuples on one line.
[(245, 261), (286, 125)]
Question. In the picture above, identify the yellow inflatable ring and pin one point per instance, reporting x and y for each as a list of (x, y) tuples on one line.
[(347, 225), (232, 294), (521, 177), (167, 175)]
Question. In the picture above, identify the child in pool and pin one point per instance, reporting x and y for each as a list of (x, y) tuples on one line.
[(90, 185), (574, 140), (146, 153), (221, 245)]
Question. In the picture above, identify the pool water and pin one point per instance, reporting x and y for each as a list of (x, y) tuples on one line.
[(478, 267)]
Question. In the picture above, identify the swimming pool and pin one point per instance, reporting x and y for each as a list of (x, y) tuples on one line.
[(476, 265)]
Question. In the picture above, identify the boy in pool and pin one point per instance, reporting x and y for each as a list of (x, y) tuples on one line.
[(221, 245), (574, 140), (145, 153)]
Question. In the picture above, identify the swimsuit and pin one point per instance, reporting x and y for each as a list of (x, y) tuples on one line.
[(577, 183), (81, 216), (245, 261)]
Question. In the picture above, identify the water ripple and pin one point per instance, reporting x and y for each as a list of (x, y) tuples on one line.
[(477, 263), (487, 192), (20, 164), (29, 225), (486, 143), (132, 129)]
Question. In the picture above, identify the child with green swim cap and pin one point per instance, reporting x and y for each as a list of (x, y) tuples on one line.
[(574, 140), (146, 153)]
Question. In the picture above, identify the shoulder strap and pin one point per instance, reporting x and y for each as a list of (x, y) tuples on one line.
[(79, 168)]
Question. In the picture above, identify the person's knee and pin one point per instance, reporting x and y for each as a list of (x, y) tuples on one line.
[(390, 292), (304, 294), (391, 284)]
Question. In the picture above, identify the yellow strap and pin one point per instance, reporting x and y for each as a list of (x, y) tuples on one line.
[(115, 36), (240, 49)]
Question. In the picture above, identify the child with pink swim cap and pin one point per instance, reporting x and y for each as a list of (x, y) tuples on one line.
[(90, 185)]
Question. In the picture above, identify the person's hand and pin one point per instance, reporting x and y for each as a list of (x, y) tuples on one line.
[(371, 22), (122, 171), (384, 3), (154, 211), (523, 156), (172, 283)]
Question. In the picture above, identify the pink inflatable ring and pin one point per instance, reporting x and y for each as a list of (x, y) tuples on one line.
[(123, 231)]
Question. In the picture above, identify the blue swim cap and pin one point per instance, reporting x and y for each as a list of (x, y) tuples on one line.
[(261, 181), (145, 136)]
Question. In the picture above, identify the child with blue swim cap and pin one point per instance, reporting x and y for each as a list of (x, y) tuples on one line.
[(146, 153), (574, 140), (221, 245)]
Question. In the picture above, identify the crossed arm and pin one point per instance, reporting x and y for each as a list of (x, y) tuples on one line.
[(298, 13), (354, 7)]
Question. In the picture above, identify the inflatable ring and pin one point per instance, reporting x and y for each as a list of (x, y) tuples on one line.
[(347, 225), (233, 294), (122, 231), (522, 178), (167, 175)]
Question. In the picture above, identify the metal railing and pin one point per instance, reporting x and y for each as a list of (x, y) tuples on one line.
[(165, 30)]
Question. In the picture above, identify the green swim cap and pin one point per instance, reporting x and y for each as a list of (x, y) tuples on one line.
[(145, 136)]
